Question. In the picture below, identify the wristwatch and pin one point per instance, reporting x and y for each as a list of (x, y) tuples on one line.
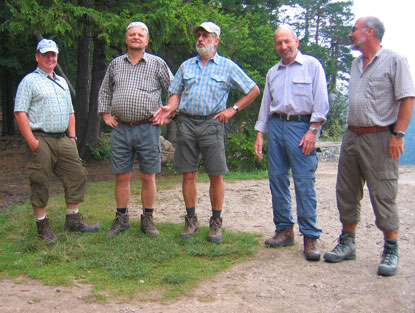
[(399, 134), (313, 130), (236, 108), (73, 137)]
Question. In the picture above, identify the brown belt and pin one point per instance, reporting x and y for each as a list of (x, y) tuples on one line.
[(135, 123), (373, 129)]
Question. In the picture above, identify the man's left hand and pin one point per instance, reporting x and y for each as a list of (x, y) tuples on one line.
[(225, 115), (396, 147), (308, 142)]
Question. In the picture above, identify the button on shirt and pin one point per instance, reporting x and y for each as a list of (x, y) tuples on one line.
[(205, 90), (133, 93), (298, 88), (46, 101), (375, 92)]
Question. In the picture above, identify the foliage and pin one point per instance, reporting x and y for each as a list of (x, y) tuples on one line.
[(131, 264), (240, 151), (336, 119), (102, 151)]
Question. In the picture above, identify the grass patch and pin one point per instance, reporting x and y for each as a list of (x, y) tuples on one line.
[(131, 264)]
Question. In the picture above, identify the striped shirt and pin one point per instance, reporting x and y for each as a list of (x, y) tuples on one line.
[(205, 90), (46, 101), (376, 91), (298, 88), (133, 93)]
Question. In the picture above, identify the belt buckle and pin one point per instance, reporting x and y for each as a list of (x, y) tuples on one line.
[(288, 117)]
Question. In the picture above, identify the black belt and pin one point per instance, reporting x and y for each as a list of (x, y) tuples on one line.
[(135, 123), (51, 135), (295, 118), (197, 117)]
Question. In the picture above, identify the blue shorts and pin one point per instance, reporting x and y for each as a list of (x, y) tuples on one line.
[(142, 141)]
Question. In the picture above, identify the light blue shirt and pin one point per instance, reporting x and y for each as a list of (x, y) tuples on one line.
[(205, 90), (298, 88), (47, 102)]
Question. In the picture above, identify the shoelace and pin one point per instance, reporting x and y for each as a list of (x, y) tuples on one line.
[(388, 257)]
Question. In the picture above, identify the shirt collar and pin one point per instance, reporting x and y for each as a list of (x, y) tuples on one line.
[(144, 57), (298, 59), (215, 58), (360, 58), (41, 72)]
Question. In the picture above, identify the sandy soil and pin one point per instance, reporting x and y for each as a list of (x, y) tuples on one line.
[(276, 280)]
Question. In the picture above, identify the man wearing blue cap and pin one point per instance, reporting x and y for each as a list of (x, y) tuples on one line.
[(46, 119), (200, 90)]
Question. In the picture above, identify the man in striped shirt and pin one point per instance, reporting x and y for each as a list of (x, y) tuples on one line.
[(200, 90), (381, 104), (130, 93)]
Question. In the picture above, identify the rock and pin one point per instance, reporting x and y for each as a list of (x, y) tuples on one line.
[(167, 151), (328, 151)]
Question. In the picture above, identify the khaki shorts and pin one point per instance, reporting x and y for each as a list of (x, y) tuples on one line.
[(200, 136), (58, 156)]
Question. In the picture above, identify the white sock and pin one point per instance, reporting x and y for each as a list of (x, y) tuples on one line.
[(71, 211), (40, 218)]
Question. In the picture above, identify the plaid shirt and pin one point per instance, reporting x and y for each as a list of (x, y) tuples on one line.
[(376, 91), (205, 90), (47, 102), (133, 93)]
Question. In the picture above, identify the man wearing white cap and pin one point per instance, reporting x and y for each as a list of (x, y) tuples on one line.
[(46, 119), (200, 90), (130, 93)]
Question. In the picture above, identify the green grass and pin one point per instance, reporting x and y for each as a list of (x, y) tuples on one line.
[(131, 264)]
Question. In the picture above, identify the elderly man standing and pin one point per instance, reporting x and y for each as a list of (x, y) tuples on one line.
[(380, 109), (294, 105), (46, 119), (201, 87), (130, 93)]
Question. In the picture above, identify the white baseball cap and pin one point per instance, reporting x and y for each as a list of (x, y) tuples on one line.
[(209, 27), (46, 45)]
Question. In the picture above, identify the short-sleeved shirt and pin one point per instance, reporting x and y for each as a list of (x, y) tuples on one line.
[(376, 91), (46, 101), (299, 88), (133, 93), (205, 90)]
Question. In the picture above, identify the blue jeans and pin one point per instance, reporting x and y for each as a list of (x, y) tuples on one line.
[(284, 153)]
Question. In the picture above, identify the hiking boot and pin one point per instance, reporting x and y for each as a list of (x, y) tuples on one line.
[(44, 231), (190, 227), (344, 250), (147, 225), (75, 223), (283, 238), (389, 263), (311, 251), (215, 233), (121, 223)]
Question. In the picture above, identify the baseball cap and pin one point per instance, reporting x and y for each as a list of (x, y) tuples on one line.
[(209, 27), (138, 25), (46, 45)]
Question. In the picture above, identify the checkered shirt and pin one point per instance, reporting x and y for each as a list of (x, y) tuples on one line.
[(376, 91), (47, 102), (133, 93), (205, 90)]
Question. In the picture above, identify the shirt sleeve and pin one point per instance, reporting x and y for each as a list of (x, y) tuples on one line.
[(176, 86), (263, 116), (240, 80), (105, 92), (403, 80), (23, 96), (165, 77), (320, 95)]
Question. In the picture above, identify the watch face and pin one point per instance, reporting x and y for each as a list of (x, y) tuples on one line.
[(313, 130), (400, 134)]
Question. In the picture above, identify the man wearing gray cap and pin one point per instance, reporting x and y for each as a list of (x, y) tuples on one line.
[(200, 90), (46, 119), (130, 93)]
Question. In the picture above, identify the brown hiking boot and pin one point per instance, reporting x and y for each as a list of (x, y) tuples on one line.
[(74, 223), (283, 238), (44, 231), (311, 251), (215, 225), (121, 223), (147, 225), (190, 227)]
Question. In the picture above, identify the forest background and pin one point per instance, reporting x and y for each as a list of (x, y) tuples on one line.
[(91, 33)]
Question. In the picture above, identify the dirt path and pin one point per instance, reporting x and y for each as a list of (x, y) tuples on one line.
[(277, 280)]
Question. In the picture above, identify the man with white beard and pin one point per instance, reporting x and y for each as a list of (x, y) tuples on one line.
[(199, 91)]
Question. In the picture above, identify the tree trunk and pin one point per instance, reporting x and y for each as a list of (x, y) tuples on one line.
[(93, 124), (8, 81)]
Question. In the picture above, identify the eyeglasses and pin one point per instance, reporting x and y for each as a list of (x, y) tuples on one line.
[(204, 35)]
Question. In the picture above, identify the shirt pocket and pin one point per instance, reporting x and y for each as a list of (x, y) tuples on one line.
[(302, 86), (218, 82), (189, 79), (379, 86)]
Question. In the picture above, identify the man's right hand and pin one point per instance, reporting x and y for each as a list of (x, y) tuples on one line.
[(161, 116), (110, 120)]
